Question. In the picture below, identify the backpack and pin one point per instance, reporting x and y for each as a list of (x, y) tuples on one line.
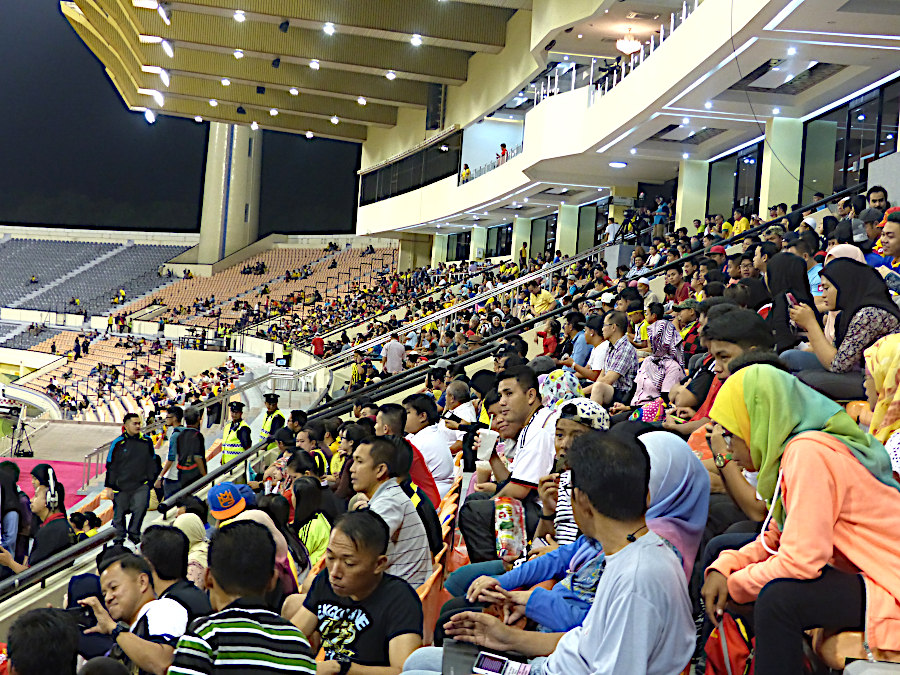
[(730, 649)]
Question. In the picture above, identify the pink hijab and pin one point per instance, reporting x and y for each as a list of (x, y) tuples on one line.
[(839, 251), (282, 555)]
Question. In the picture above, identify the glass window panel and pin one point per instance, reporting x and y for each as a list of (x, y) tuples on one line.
[(722, 177), (824, 154), (862, 143), (890, 114), (748, 167)]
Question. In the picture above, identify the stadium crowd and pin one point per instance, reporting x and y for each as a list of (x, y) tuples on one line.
[(721, 454)]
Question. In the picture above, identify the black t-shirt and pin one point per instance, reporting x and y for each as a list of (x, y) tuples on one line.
[(53, 536), (190, 597), (189, 444), (361, 631)]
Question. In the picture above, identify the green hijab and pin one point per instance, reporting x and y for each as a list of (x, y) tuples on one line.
[(767, 408)]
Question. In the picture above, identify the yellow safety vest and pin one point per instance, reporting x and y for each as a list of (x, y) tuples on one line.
[(231, 446), (267, 428)]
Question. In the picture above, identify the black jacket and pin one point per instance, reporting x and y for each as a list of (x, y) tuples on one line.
[(131, 462)]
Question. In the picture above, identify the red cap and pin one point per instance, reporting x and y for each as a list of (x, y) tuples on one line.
[(718, 249)]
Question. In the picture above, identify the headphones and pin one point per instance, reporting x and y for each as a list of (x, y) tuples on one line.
[(52, 494)]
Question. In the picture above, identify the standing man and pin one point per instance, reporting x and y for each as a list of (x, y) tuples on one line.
[(191, 449), (168, 478), (523, 257), (393, 354), (131, 467), (237, 437), (274, 421)]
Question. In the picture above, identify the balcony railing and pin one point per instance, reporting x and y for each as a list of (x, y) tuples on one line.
[(490, 166)]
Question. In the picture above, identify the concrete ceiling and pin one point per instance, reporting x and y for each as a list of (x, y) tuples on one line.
[(277, 41)]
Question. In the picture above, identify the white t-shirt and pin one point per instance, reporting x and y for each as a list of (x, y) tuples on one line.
[(612, 230), (434, 445), (597, 360), (166, 619), (466, 412), (535, 449)]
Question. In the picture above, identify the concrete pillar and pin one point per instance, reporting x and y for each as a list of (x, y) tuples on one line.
[(438, 249), (521, 234), (567, 230), (690, 200), (478, 246), (782, 154), (229, 218), (618, 212), (414, 251)]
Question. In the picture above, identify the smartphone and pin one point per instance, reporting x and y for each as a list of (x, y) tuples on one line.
[(792, 301), (492, 664), (83, 615)]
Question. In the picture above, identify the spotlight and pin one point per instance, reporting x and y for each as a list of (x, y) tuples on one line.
[(254, 126), (633, 151), (226, 82), (361, 100), (150, 116), (273, 112), (163, 10), (335, 119), (239, 16), (198, 118), (707, 105), (685, 120), (391, 75), (416, 40), (213, 102), (164, 76), (618, 165), (167, 48), (284, 25), (314, 64), (238, 53), (776, 111), (309, 134), (685, 155), (276, 62), (329, 28), (293, 91), (792, 51)]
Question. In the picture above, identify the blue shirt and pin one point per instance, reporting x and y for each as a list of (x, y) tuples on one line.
[(581, 350), (814, 274)]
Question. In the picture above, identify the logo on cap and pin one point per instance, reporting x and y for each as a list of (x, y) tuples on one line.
[(226, 499)]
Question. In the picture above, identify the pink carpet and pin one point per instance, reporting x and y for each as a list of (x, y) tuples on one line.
[(69, 474)]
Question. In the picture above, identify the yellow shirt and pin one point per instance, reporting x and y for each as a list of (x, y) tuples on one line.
[(741, 226), (542, 302), (726, 228)]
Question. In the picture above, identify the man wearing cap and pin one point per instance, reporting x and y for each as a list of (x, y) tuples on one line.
[(775, 234), (687, 325), (274, 421), (237, 436), (720, 255), (226, 500), (648, 296)]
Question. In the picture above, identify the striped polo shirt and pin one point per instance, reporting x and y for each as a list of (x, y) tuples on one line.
[(242, 638)]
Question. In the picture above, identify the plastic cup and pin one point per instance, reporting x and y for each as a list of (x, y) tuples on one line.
[(487, 440)]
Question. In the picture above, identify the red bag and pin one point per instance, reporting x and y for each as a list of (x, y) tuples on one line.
[(729, 649)]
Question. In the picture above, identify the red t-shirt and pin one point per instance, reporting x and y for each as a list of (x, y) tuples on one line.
[(683, 293), (318, 345)]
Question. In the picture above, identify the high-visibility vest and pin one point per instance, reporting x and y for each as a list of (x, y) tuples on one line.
[(231, 445), (267, 428)]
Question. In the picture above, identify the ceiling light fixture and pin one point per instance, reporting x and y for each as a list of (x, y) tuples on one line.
[(164, 76), (162, 9), (167, 48), (329, 28), (580, 36), (309, 134), (150, 116), (618, 165), (391, 75), (685, 120), (776, 111), (335, 119), (226, 82), (361, 100), (273, 112), (198, 118), (293, 91), (792, 51), (238, 53), (239, 16), (707, 105), (213, 102), (254, 126), (314, 64), (685, 155), (633, 151), (628, 45), (416, 40)]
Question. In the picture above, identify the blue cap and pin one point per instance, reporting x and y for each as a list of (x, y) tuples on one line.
[(226, 501)]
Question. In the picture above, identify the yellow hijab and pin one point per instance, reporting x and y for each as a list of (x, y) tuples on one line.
[(883, 364)]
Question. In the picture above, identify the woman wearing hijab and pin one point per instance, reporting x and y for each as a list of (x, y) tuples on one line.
[(882, 386), (866, 314), (786, 274), (827, 555), (840, 251), (663, 368), (559, 385), (192, 526)]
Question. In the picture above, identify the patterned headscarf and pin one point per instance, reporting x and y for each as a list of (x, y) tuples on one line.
[(560, 385), (883, 365), (665, 345)]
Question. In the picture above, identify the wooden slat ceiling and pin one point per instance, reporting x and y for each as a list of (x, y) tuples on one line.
[(371, 38)]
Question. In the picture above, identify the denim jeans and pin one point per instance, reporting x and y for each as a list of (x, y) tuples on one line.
[(459, 581)]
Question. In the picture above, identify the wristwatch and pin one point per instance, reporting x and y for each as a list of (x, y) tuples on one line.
[(345, 665), (722, 460), (121, 627), (544, 516)]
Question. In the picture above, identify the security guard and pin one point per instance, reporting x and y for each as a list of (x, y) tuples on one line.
[(237, 436), (274, 421)]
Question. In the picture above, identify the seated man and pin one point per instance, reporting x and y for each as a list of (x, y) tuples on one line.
[(424, 432), (614, 384), (166, 549), (366, 620), (640, 619), (143, 629), (242, 635), (408, 554)]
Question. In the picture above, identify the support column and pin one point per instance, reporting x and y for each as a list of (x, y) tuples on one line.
[(521, 234), (567, 230), (478, 246), (618, 212), (690, 199), (229, 218), (414, 251), (782, 154), (438, 249)]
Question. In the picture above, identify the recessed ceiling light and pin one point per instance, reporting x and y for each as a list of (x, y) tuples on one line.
[(238, 53), (150, 116), (335, 119), (239, 16), (164, 76), (580, 36), (213, 102), (776, 111), (618, 165), (525, 200), (273, 112), (707, 105), (391, 75), (792, 51), (293, 91), (416, 40), (329, 28), (890, 137), (361, 100), (164, 15), (685, 155), (633, 151), (314, 64), (254, 126), (167, 48), (226, 82), (198, 118), (685, 120), (309, 134)]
